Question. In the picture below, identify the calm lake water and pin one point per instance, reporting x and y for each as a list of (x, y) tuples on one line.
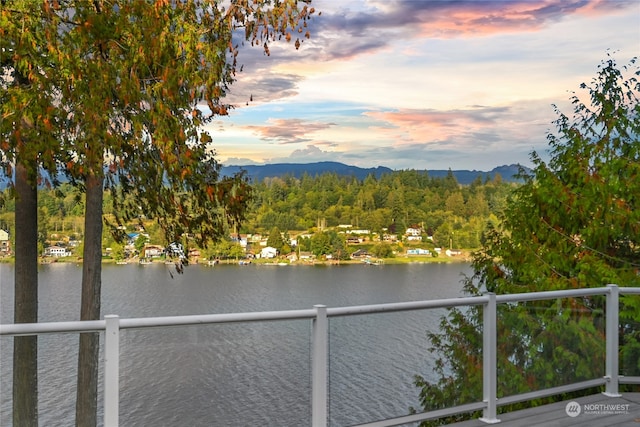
[(240, 374)]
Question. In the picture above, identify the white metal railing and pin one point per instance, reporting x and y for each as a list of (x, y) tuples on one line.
[(319, 315)]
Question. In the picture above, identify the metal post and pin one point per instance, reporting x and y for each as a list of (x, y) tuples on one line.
[(319, 368), (489, 361), (111, 370), (612, 327)]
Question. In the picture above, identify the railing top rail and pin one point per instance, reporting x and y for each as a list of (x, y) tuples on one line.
[(17, 329), (544, 295), (148, 322), (627, 290), (405, 306)]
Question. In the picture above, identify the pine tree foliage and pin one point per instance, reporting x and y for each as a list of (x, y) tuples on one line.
[(574, 223)]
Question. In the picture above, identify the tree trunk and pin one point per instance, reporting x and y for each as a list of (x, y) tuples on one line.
[(87, 388), (25, 349)]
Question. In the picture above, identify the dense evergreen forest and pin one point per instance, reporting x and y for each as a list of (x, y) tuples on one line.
[(452, 214), (394, 202)]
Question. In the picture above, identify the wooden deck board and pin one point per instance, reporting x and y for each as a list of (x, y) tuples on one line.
[(555, 415)]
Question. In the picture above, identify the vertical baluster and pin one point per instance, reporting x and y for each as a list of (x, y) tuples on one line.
[(612, 341), (111, 370), (489, 360), (319, 367)]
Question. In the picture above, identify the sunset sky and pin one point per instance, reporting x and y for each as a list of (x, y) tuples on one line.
[(422, 84)]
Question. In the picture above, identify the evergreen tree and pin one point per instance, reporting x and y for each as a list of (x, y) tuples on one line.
[(574, 223), (275, 239)]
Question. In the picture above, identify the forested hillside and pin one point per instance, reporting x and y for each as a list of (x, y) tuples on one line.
[(398, 200), (452, 214)]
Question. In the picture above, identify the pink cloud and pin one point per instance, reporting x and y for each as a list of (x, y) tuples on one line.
[(374, 29), (411, 126), (288, 131), (493, 17)]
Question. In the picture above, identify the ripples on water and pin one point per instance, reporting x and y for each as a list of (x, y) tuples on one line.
[(240, 374)]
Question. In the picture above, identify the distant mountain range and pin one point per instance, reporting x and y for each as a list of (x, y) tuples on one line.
[(257, 173)]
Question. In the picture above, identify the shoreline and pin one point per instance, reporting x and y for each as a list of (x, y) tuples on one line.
[(464, 257)]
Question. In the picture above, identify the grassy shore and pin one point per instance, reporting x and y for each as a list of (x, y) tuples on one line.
[(464, 256)]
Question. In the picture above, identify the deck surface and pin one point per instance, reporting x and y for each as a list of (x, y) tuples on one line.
[(594, 412)]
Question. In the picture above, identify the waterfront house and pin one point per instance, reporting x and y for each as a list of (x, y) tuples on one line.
[(360, 254), (306, 256), (56, 251), (131, 238), (5, 243), (152, 251), (292, 257), (366, 232), (412, 231), (242, 240), (418, 251), (268, 252), (413, 234)]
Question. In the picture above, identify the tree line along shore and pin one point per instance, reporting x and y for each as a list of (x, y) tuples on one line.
[(403, 216)]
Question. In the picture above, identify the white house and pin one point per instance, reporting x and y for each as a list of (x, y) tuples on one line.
[(268, 252), (418, 251), (413, 234), (5, 243), (242, 239), (56, 251), (359, 231), (152, 251), (416, 232)]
